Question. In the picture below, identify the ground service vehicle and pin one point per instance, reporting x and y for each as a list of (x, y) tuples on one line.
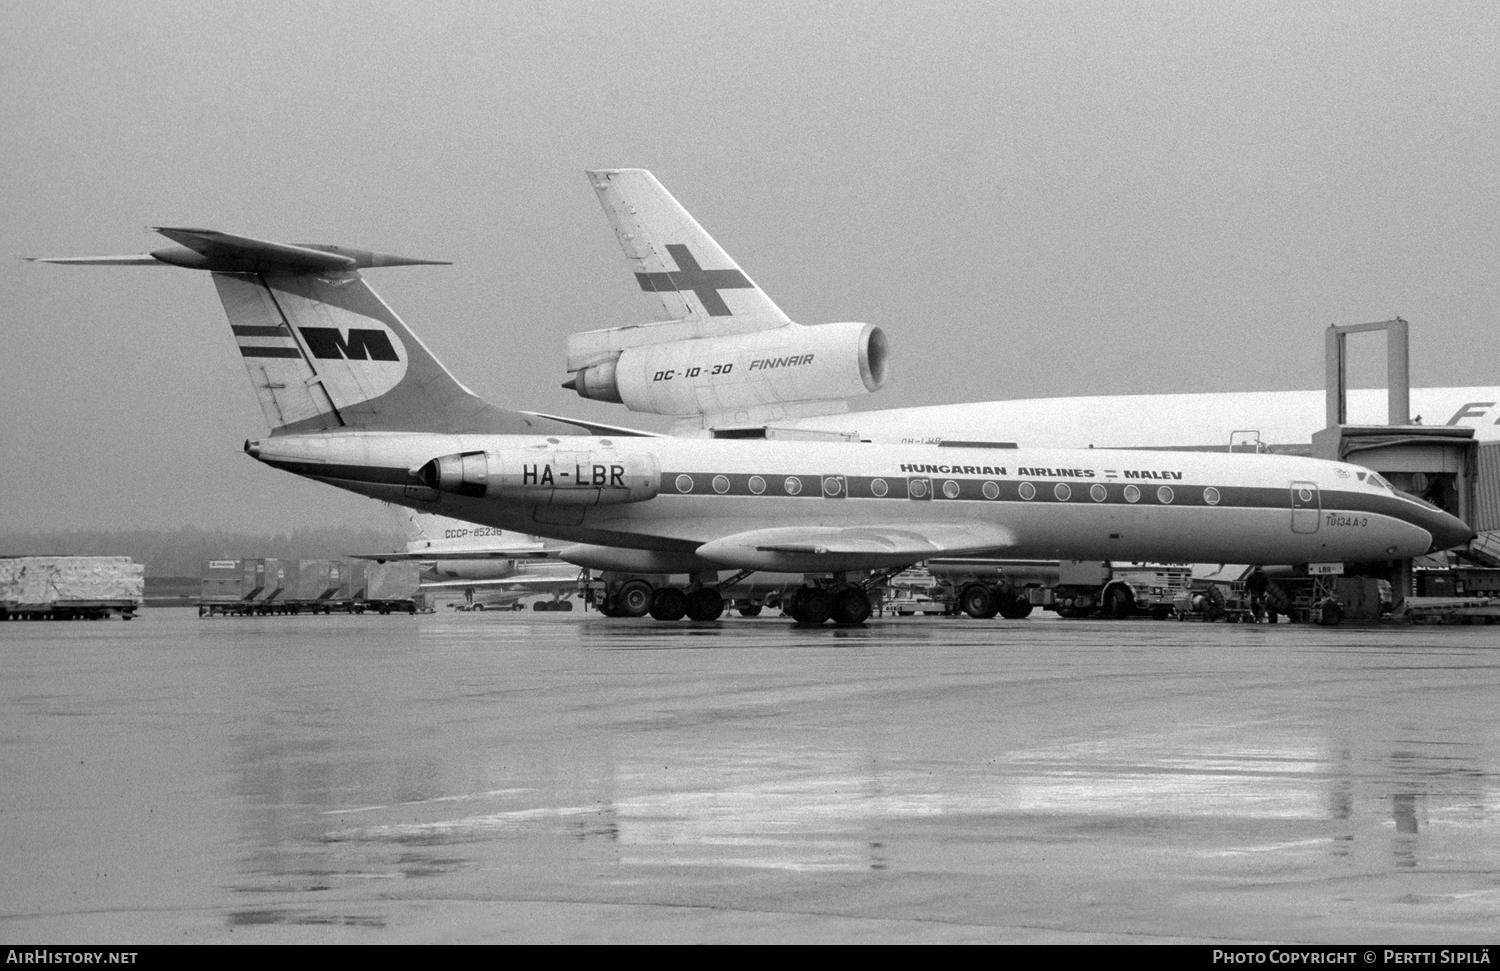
[(1073, 588)]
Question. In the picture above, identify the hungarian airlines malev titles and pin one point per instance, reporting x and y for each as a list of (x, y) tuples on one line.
[(355, 400)]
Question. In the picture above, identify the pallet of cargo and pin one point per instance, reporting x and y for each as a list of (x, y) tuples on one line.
[(267, 586), (70, 587), (68, 610)]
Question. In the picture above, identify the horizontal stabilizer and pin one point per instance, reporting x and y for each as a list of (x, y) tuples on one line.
[(209, 249)]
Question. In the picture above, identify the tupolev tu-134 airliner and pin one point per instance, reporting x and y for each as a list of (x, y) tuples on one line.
[(355, 400)]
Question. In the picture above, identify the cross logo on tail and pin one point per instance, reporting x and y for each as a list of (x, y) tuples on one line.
[(705, 284)]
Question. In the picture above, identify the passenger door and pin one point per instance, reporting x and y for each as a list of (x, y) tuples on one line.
[(1307, 507)]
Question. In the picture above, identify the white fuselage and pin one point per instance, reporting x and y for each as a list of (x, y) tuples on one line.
[(1279, 420), (769, 504)]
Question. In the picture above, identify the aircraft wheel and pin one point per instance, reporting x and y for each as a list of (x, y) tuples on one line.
[(705, 603), (633, 599), (751, 611), (1014, 608), (668, 603), (979, 601), (1121, 603), (1333, 614), (814, 606), (851, 606)]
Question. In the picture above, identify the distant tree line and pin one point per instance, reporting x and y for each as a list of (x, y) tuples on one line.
[(181, 553)]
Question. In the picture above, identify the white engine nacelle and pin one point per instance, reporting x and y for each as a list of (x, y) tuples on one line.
[(546, 476), (742, 373)]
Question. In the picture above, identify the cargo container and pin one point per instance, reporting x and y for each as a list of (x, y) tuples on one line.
[(230, 582), (392, 587), (351, 581), (317, 582), (70, 587), (278, 584), (248, 586)]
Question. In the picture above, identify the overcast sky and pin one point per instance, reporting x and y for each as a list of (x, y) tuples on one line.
[(1033, 199)]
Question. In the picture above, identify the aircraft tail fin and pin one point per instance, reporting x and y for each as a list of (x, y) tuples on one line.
[(674, 257), (431, 535), (322, 350)]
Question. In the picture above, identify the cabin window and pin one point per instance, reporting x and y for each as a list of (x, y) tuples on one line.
[(1132, 493), (1211, 496), (917, 488), (1098, 493), (878, 487), (684, 483), (721, 484), (793, 485), (1164, 494), (991, 490), (950, 489), (1027, 490), (757, 484), (1062, 491), (832, 486)]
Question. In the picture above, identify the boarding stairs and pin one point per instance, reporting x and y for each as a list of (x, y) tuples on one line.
[(1483, 550)]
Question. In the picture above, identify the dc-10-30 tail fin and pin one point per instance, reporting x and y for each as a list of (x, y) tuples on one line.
[(322, 350)]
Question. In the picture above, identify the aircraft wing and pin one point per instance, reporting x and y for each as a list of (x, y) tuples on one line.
[(142, 259), (595, 428), (809, 549)]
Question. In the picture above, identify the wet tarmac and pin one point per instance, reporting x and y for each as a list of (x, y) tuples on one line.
[(562, 777)]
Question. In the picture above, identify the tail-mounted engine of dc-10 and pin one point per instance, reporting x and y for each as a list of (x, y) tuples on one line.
[(546, 476), (788, 371)]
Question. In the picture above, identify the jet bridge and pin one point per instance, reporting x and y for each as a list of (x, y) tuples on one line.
[(1441, 464)]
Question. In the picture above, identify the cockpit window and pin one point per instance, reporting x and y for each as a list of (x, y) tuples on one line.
[(1361, 476)]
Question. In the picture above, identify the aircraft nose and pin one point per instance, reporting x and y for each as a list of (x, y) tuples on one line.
[(1447, 531)]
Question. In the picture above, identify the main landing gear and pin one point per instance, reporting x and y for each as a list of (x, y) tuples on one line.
[(846, 606), (670, 603)]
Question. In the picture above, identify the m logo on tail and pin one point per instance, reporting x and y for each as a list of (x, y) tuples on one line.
[(329, 344)]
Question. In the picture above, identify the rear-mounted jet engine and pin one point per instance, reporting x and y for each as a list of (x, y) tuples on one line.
[(546, 477)]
